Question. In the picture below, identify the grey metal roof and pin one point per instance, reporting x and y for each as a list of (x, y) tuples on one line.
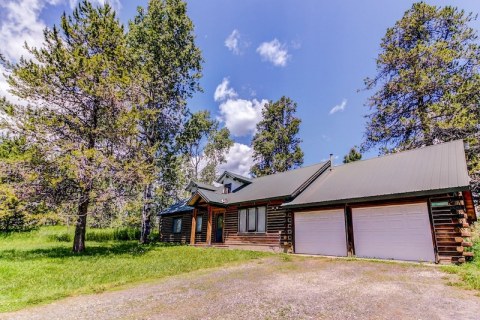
[(280, 185), (179, 207), (414, 172)]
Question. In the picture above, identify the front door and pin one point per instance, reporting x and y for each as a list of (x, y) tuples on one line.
[(219, 229)]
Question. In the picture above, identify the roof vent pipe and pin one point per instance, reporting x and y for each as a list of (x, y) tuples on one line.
[(331, 161)]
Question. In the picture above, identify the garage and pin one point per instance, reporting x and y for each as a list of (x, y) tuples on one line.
[(393, 232), (320, 232)]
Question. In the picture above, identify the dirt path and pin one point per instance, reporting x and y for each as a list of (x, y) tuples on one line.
[(303, 288)]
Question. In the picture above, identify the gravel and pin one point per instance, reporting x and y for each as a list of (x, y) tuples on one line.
[(280, 287)]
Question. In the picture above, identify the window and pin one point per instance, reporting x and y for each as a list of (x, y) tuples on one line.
[(199, 223), (177, 225), (242, 226), (252, 220), (227, 188), (261, 219)]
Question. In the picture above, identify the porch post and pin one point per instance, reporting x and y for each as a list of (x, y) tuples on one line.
[(209, 226), (194, 226)]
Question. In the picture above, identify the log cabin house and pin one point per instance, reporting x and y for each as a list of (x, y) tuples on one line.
[(413, 205)]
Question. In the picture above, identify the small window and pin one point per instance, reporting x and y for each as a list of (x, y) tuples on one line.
[(199, 223), (177, 225), (227, 188)]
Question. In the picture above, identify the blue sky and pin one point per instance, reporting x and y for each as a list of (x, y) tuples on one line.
[(315, 52)]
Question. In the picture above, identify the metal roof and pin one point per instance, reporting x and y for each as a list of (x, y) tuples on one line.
[(179, 207), (279, 185), (414, 172)]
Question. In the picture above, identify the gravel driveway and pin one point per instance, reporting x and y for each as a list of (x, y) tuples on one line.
[(279, 288)]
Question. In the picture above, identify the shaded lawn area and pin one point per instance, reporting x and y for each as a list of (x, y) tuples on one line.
[(36, 269)]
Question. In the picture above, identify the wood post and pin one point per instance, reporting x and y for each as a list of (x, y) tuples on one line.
[(194, 226), (209, 226)]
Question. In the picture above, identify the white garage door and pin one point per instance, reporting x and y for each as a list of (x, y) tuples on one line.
[(393, 232), (321, 232)]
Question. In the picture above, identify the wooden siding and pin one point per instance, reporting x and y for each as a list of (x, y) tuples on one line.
[(278, 232), (201, 237), (451, 227), (469, 206), (166, 228)]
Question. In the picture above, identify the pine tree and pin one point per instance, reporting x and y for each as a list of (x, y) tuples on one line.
[(77, 86), (428, 84), (168, 62), (353, 155), (276, 147)]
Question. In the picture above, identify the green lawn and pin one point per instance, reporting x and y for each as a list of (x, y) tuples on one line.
[(35, 268), (469, 272)]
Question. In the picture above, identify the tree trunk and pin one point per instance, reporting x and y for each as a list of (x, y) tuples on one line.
[(146, 213), (81, 225)]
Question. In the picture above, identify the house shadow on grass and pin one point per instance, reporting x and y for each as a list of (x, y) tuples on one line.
[(132, 248)]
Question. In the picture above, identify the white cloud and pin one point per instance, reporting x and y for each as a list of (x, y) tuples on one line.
[(339, 107), (274, 52), (239, 160), (236, 43), (241, 116), (232, 42), (20, 22), (223, 92)]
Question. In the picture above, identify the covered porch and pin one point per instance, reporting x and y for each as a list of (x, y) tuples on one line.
[(207, 223)]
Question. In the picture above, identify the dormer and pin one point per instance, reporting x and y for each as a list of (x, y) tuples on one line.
[(193, 186), (231, 182)]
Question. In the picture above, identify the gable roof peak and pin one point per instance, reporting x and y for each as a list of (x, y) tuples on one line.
[(234, 176)]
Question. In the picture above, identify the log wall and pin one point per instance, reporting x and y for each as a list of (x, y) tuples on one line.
[(451, 228), (166, 228), (278, 233)]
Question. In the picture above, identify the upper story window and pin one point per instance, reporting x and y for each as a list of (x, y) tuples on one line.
[(177, 225), (227, 188), (252, 220)]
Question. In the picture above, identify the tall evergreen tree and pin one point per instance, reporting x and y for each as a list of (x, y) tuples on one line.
[(428, 84), (353, 155), (163, 47), (276, 147), (77, 86)]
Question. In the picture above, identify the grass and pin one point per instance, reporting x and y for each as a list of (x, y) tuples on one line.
[(469, 273), (36, 267)]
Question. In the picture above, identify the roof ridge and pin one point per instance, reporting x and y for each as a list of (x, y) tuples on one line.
[(397, 153), (289, 171)]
